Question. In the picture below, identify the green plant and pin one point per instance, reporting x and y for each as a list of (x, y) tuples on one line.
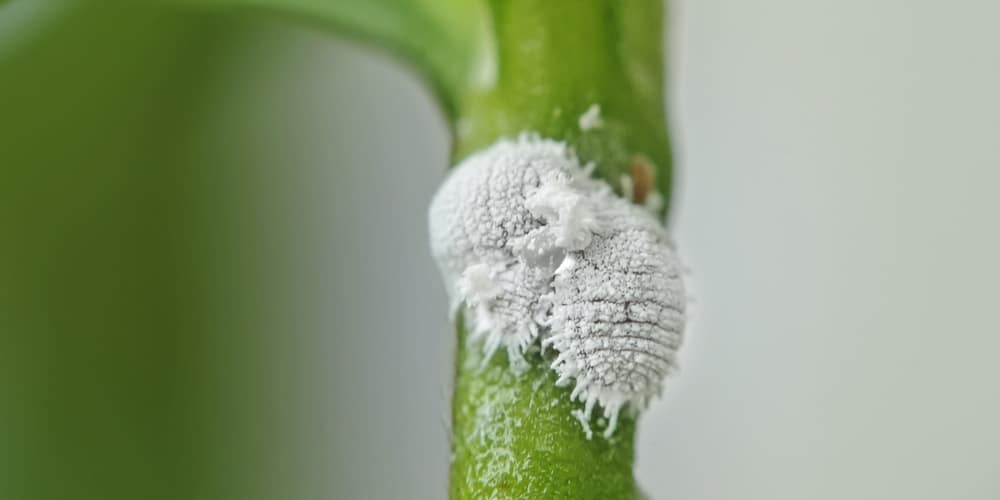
[(498, 68)]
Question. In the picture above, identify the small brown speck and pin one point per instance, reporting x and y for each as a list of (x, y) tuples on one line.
[(643, 178)]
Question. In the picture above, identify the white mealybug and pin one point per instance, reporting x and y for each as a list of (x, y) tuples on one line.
[(540, 253)]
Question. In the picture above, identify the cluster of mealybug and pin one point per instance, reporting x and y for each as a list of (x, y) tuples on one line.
[(538, 252)]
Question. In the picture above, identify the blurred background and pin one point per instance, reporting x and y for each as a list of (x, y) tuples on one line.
[(215, 279)]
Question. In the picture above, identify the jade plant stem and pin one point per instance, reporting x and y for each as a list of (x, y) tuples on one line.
[(549, 61), (500, 68)]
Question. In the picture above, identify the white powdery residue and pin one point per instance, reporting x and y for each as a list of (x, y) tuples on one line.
[(477, 284), (654, 202), (497, 460), (541, 254), (571, 215), (537, 384), (628, 187), (591, 118), (584, 421)]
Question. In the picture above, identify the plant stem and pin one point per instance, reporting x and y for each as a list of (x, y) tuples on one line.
[(514, 435)]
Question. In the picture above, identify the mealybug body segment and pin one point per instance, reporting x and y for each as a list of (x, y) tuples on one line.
[(541, 253)]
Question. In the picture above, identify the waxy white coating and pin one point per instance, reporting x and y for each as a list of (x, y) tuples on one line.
[(541, 254)]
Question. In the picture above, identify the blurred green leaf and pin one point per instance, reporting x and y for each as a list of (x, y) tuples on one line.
[(441, 38), (103, 391)]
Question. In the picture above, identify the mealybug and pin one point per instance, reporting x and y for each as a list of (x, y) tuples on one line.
[(540, 253)]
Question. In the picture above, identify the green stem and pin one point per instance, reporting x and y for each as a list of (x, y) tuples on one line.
[(514, 436)]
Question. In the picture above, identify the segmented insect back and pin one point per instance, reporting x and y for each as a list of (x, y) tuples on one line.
[(540, 253)]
